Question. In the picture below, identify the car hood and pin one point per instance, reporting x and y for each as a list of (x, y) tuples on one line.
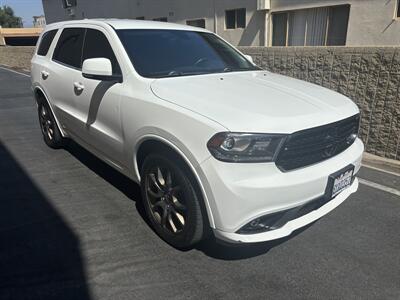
[(256, 101)]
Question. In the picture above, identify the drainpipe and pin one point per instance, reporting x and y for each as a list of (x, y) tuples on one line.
[(215, 17), (265, 5), (266, 28)]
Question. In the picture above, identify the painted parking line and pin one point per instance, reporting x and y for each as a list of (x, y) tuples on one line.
[(16, 72), (379, 186), (380, 170)]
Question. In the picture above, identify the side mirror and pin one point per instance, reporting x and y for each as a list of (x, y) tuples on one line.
[(249, 58), (99, 69)]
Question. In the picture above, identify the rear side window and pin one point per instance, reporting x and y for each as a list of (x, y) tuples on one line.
[(69, 47), (46, 41), (97, 45)]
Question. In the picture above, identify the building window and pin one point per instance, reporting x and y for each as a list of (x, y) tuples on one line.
[(162, 19), (197, 23), (140, 18), (235, 18), (325, 26), (279, 26)]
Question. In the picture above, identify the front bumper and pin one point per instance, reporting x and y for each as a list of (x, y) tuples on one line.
[(291, 226), (239, 192)]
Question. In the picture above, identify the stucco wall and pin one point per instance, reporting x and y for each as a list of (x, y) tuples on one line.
[(372, 23), (368, 75)]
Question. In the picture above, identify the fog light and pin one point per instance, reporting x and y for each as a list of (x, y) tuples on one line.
[(262, 224)]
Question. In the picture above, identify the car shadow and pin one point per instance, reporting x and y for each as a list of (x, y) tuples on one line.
[(40, 255), (210, 247), (124, 184)]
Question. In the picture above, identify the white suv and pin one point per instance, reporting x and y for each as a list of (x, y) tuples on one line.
[(213, 140)]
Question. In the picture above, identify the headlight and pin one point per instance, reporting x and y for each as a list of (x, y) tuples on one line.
[(245, 147)]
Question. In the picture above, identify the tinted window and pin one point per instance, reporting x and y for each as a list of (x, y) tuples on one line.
[(165, 53), (97, 45), (46, 41), (69, 47)]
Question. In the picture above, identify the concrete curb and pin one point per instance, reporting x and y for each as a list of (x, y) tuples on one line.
[(381, 163)]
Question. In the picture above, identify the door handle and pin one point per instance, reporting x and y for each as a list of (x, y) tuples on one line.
[(45, 75), (79, 86)]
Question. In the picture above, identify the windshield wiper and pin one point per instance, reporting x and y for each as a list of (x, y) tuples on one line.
[(174, 73), (178, 73), (229, 69)]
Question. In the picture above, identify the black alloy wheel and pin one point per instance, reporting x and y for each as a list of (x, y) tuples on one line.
[(171, 201), (48, 126), (163, 196)]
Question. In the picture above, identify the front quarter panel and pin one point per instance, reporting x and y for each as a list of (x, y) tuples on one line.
[(144, 116)]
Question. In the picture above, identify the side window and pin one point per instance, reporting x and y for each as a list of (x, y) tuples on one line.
[(97, 45), (69, 47), (45, 42)]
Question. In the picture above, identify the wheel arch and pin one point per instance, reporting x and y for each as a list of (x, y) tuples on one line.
[(39, 94), (152, 142)]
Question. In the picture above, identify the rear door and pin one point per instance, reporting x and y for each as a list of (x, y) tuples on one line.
[(39, 67), (64, 68)]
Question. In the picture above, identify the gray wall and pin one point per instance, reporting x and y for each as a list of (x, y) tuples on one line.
[(368, 75)]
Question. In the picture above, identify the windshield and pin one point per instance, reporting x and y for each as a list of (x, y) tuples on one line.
[(167, 53)]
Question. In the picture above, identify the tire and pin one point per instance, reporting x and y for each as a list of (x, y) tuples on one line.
[(51, 134), (171, 200)]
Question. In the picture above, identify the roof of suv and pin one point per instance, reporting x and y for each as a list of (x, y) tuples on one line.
[(127, 24)]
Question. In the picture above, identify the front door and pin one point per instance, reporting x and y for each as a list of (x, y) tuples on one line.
[(98, 102)]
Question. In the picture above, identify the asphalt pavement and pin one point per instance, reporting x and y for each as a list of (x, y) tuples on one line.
[(73, 228)]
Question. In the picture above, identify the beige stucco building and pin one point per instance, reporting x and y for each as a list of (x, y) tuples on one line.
[(39, 21), (256, 22)]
